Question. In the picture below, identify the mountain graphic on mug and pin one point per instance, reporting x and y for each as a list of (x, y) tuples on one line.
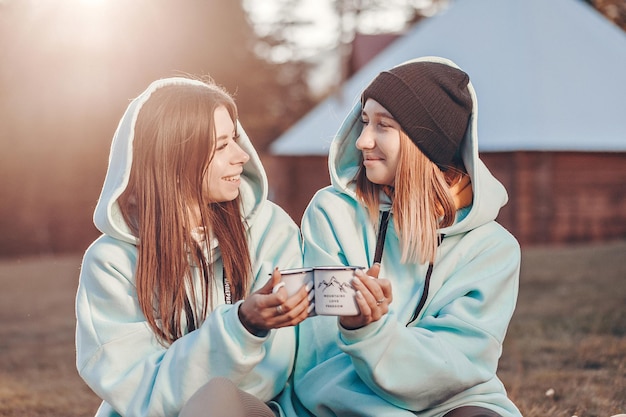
[(334, 282)]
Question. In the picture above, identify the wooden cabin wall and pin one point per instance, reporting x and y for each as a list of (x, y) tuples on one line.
[(554, 197)]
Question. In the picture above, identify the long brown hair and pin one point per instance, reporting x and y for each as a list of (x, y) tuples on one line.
[(173, 145), (421, 200)]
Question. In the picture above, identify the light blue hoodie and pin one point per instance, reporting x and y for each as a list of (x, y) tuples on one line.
[(447, 357), (118, 355)]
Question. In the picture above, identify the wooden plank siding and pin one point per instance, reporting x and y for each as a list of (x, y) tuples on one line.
[(554, 197)]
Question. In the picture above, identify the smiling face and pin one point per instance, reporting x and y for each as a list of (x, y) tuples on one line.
[(222, 180), (379, 143)]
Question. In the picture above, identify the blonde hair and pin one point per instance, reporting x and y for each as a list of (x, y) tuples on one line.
[(421, 200), (173, 146)]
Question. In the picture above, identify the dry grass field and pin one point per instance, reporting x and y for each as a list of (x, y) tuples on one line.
[(565, 353)]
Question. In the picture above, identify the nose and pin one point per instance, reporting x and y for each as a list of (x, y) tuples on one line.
[(240, 156), (366, 139)]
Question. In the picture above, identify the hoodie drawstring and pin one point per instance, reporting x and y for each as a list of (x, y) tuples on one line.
[(378, 254), (382, 232)]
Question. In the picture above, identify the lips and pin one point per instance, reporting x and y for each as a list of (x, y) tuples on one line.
[(372, 157), (233, 178), (371, 160)]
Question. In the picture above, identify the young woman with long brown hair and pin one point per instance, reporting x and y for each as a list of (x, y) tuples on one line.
[(177, 291)]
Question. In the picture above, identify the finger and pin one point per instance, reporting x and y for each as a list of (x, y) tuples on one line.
[(265, 304), (288, 322), (385, 286), (290, 314), (280, 310), (364, 293), (365, 308), (308, 290), (276, 276), (304, 294), (364, 317), (277, 284), (374, 292), (374, 270), (375, 306), (299, 301), (278, 287), (269, 285)]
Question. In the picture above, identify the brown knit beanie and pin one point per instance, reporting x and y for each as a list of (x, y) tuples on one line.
[(431, 103)]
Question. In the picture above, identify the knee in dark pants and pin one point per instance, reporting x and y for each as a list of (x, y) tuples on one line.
[(471, 411), (220, 397)]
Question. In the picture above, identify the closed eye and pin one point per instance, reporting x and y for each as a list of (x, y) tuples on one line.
[(381, 124), (221, 145), (223, 142)]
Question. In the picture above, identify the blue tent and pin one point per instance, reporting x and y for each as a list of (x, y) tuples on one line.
[(549, 74)]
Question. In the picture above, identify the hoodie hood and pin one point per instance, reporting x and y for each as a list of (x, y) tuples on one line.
[(489, 194), (107, 216)]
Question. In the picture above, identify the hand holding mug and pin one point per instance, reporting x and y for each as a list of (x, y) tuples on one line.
[(373, 296), (267, 309)]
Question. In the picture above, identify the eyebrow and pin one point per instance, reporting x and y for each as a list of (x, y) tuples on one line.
[(380, 114), (225, 136)]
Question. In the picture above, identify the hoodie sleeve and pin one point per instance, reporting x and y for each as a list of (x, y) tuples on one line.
[(457, 343), (120, 359), (453, 348), (275, 241)]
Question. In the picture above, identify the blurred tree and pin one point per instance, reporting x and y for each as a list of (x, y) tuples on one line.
[(69, 68), (285, 32), (270, 95), (376, 17)]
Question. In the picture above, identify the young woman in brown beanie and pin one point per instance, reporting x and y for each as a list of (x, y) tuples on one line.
[(443, 275)]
